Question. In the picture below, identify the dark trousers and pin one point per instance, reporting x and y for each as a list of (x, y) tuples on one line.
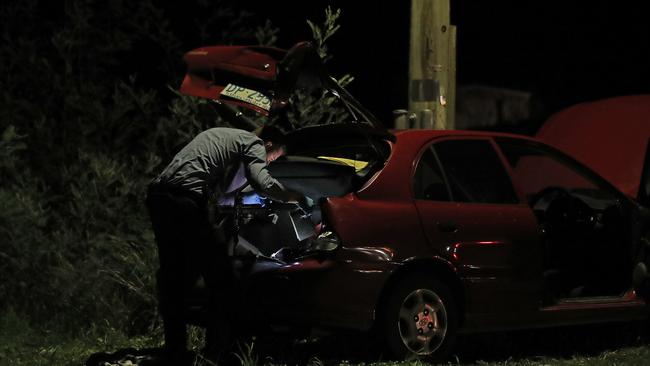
[(189, 247)]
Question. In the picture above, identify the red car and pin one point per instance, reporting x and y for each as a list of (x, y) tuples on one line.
[(421, 234)]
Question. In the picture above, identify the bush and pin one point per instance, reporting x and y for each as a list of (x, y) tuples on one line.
[(87, 119)]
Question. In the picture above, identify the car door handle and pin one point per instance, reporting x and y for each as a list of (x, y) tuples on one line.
[(447, 227)]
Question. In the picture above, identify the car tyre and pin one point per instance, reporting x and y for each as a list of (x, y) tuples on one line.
[(419, 319)]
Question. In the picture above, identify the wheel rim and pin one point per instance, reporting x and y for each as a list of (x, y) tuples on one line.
[(422, 322)]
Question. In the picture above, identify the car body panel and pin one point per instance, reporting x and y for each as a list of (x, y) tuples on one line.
[(605, 135), (309, 291), (270, 72), (250, 67), (366, 230), (627, 308), (495, 253), (494, 249)]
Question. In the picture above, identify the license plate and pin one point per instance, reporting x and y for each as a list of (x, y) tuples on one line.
[(247, 95)]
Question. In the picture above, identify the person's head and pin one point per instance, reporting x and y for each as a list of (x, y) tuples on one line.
[(274, 142)]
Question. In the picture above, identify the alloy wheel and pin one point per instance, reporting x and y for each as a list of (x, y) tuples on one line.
[(422, 322)]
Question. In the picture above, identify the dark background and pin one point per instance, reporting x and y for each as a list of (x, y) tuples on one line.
[(564, 52)]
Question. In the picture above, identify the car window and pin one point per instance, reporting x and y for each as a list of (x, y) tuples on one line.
[(428, 181), (537, 169), (474, 172)]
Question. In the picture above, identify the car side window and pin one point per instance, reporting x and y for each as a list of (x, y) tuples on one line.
[(538, 169), (475, 172), (428, 181)]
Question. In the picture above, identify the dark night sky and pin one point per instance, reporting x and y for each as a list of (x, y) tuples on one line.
[(564, 52)]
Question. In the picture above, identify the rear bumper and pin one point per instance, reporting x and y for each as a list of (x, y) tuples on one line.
[(318, 292)]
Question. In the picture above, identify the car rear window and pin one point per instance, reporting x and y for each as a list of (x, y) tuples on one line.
[(474, 172), (428, 182)]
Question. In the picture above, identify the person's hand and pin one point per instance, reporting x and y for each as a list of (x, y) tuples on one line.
[(306, 203), (293, 197)]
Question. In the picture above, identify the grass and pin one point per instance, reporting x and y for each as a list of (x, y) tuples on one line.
[(23, 345)]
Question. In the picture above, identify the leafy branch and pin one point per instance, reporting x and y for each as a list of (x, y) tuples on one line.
[(322, 34)]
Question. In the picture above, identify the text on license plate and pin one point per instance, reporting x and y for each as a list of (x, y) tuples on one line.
[(247, 95)]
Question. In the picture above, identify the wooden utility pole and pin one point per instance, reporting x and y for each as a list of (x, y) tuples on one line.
[(432, 64)]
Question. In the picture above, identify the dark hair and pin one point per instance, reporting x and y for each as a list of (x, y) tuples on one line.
[(271, 134)]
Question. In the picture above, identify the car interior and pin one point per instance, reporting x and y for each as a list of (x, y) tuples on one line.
[(582, 226), (339, 163)]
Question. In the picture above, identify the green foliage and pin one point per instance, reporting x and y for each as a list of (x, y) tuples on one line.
[(78, 169), (322, 34), (22, 344), (267, 34), (187, 117), (63, 250), (318, 107), (10, 145), (22, 223), (247, 355), (315, 107), (86, 120)]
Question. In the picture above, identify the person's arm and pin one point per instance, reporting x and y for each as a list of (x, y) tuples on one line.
[(260, 179)]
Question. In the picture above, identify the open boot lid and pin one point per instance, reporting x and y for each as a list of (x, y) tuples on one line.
[(254, 77)]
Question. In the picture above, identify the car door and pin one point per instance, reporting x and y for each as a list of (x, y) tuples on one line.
[(472, 215), (587, 228)]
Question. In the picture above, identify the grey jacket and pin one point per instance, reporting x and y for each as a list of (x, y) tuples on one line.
[(220, 160)]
